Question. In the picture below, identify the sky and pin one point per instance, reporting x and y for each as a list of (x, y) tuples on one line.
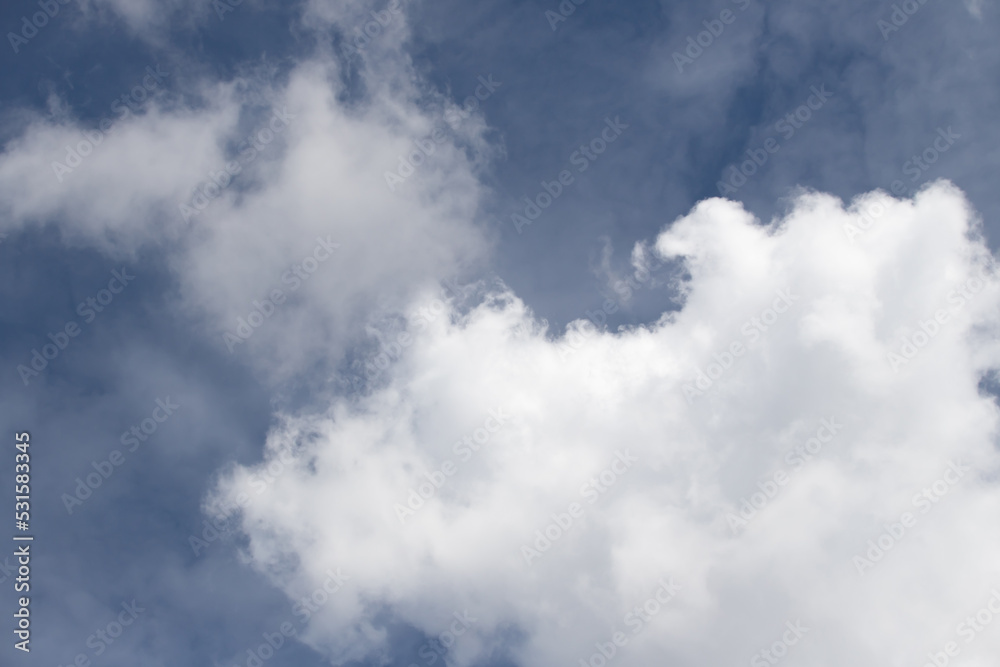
[(506, 333)]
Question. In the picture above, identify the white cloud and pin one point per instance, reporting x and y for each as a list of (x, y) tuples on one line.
[(322, 176), (573, 409), (712, 401)]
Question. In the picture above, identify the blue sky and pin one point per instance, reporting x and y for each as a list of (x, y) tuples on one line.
[(641, 143)]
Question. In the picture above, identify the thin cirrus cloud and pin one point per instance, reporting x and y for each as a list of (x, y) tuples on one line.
[(791, 453)]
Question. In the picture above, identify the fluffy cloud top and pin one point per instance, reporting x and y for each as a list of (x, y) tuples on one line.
[(798, 460)]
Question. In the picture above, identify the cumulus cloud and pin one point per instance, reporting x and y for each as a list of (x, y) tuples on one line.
[(801, 455)]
